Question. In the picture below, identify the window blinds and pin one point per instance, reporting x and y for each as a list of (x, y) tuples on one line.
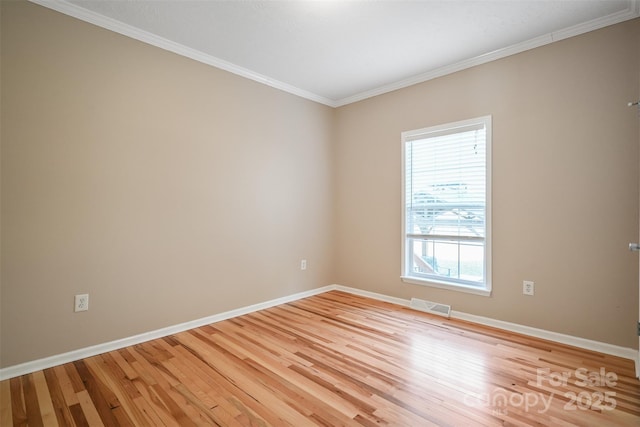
[(446, 183)]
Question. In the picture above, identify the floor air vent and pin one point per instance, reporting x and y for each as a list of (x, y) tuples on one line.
[(431, 307)]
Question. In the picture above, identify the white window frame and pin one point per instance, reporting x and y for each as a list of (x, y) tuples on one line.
[(443, 283)]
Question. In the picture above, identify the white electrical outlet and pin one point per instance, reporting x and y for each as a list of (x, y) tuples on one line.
[(527, 287), (303, 264), (81, 303)]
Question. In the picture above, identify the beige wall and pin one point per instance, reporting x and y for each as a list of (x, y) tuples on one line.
[(166, 189), (565, 184), (169, 190)]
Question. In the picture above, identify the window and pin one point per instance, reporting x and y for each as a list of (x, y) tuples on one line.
[(446, 206)]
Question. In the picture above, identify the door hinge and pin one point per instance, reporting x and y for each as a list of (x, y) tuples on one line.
[(639, 328)]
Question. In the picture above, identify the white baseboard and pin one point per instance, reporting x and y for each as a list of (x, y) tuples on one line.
[(624, 352), (72, 356), (48, 362), (372, 295)]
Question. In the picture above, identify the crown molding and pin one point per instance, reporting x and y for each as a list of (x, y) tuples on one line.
[(632, 11), (62, 6), (114, 25)]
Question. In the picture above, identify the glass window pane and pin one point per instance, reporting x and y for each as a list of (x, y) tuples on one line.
[(472, 261), (445, 199), (446, 259)]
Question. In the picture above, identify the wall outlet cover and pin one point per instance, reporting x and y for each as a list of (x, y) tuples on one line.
[(81, 302)]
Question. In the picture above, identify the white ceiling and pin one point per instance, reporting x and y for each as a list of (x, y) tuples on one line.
[(338, 52)]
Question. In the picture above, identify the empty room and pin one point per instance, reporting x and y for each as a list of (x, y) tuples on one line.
[(319, 213)]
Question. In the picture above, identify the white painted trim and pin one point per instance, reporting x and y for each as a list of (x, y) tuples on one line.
[(448, 69), (372, 295), (406, 252), (626, 353), (70, 9), (59, 359), (114, 25), (632, 11), (48, 362)]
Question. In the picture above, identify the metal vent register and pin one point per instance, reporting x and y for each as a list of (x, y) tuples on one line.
[(431, 307)]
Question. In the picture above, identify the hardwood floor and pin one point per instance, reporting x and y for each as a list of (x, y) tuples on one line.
[(333, 359)]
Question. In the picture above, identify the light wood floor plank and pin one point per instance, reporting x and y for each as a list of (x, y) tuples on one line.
[(45, 400), (17, 402), (6, 418), (333, 359)]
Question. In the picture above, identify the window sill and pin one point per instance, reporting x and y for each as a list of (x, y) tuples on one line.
[(448, 286)]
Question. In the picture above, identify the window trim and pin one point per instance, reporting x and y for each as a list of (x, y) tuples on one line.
[(408, 136)]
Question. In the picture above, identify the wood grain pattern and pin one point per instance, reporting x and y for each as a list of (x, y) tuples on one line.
[(334, 359)]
